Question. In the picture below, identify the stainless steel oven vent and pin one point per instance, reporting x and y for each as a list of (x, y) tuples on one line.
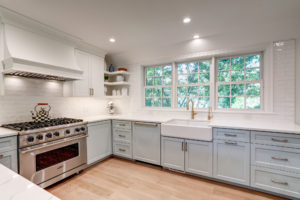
[(36, 76)]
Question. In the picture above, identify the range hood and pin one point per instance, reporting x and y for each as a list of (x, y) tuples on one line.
[(32, 55)]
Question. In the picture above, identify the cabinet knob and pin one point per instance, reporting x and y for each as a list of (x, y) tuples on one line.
[(1, 156)]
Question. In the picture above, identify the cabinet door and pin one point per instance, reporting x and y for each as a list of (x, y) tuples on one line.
[(232, 161), (99, 142), (172, 152), (81, 87), (97, 75), (10, 160), (198, 157), (146, 142)]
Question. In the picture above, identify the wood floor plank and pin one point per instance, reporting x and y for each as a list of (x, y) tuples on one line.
[(118, 179)]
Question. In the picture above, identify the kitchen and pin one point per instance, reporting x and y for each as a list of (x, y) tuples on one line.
[(123, 100)]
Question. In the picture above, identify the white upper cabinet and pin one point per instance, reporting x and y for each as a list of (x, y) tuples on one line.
[(92, 83)]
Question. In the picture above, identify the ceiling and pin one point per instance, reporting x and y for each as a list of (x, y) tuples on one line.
[(136, 24)]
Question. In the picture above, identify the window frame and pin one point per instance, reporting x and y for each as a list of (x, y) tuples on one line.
[(157, 86), (213, 82), (245, 82), (176, 85)]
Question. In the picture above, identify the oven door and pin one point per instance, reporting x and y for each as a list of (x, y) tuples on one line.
[(46, 161)]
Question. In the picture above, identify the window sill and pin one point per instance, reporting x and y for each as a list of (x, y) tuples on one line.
[(214, 111)]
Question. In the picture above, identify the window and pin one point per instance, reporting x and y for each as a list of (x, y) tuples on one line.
[(193, 83), (236, 81), (239, 82), (158, 86)]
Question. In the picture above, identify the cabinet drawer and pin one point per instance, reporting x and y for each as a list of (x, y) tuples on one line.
[(277, 139), (231, 134), (117, 124), (276, 181), (281, 158), (10, 160), (120, 135), (123, 150), (8, 143)]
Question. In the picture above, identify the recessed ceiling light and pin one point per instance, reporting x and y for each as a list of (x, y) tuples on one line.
[(186, 20), (112, 40), (196, 36)]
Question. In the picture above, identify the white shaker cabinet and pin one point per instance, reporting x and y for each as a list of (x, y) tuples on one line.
[(92, 83), (99, 141)]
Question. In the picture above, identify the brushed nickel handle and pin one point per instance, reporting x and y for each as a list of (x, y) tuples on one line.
[(1, 156), (123, 150), (122, 124), (185, 146), (230, 135), (276, 158), (145, 124), (182, 146), (278, 140), (234, 143), (122, 136), (279, 182), (93, 93)]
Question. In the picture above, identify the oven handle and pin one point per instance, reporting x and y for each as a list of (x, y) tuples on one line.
[(53, 144)]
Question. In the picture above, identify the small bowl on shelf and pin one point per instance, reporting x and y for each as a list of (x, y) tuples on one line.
[(122, 69)]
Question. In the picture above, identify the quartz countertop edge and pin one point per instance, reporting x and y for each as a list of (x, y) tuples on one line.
[(15, 187), (238, 124), (4, 132)]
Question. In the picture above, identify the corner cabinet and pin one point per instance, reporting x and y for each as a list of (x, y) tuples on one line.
[(92, 83), (191, 156), (99, 141)]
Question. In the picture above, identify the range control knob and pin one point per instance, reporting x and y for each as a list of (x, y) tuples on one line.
[(77, 129), (49, 135), (39, 137), (82, 128), (56, 133), (30, 139), (67, 131)]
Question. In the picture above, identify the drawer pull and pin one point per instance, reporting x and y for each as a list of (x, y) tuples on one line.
[(278, 140), (1, 156), (279, 182), (122, 136), (235, 143), (145, 124), (276, 158), (123, 150), (122, 124), (230, 135)]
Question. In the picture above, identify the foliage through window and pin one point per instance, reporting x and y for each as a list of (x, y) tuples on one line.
[(239, 82), (158, 86), (193, 83)]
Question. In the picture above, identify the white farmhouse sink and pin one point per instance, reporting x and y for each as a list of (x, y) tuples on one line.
[(189, 129)]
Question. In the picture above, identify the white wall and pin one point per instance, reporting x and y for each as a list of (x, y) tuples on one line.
[(298, 81), (22, 94), (280, 90)]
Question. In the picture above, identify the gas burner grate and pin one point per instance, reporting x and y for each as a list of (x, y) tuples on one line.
[(24, 126)]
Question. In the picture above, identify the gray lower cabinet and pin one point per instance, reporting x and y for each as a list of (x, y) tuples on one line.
[(198, 157), (232, 161), (8, 153), (146, 142), (122, 138), (99, 141), (191, 156), (172, 153)]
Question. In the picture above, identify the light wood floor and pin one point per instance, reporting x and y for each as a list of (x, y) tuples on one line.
[(118, 179)]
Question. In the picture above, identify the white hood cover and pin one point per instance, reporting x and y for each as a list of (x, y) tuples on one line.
[(33, 55)]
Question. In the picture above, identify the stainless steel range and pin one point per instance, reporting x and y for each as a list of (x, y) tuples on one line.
[(50, 151)]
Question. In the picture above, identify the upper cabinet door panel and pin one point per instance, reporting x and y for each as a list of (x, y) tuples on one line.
[(81, 87), (97, 75)]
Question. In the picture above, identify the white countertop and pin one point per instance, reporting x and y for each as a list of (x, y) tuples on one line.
[(238, 124), (4, 132), (15, 187)]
